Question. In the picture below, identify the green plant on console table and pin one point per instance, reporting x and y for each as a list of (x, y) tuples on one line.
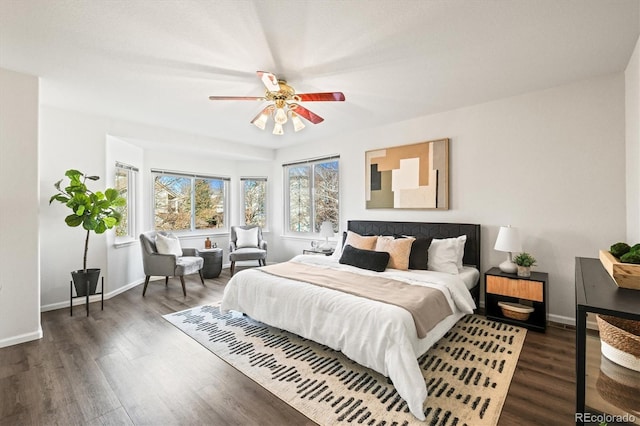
[(618, 249), (631, 257), (95, 211), (524, 259)]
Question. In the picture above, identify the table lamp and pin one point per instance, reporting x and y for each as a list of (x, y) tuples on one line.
[(326, 231), (508, 240)]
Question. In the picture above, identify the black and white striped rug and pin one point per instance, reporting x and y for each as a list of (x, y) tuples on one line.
[(467, 372)]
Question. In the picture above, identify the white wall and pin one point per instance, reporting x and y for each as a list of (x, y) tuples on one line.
[(632, 111), (549, 162), (19, 243), (74, 140), (124, 259)]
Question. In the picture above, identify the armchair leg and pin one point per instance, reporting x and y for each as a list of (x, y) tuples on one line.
[(233, 267), (201, 277), (146, 283), (166, 281), (184, 290)]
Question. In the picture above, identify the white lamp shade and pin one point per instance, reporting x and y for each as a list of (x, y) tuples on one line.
[(261, 121), (508, 240), (297, 123), (277, 129), (326, 229)]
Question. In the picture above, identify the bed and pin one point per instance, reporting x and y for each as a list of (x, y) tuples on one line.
[(377, 335)]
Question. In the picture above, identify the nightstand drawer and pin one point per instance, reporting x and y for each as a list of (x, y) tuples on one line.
[(523, 289)]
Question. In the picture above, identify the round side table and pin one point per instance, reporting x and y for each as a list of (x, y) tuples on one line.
[(212, 262)]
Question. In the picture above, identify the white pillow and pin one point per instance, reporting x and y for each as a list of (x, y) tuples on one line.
[(168, 245), (246, 237), (337, 251), (461, 242), (445, 255)]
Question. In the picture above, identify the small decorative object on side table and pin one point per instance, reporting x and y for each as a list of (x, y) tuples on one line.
[(524, 261), (516, 300), (317, 250), (212, 262)]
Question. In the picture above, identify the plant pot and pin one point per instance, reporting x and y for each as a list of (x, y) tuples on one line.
[(524, 271), (80, 278)]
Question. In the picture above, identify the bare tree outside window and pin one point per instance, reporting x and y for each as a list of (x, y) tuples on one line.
[(180, 201), (313, 195), (326, 179), (254, 195), (172, 209), (300, 199), (125, 183), (122, 186)]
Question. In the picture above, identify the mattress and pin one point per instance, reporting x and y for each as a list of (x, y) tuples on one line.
[(376, 335), (469, 275)]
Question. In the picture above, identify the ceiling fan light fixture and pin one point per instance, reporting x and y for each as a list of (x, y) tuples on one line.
[(297, 123), (280, 117), (277, 129), (283, 100), (261, 121)]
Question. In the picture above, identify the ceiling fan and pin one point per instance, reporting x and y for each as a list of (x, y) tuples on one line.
[(285, 103)]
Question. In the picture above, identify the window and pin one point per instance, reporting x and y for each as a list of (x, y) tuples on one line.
[(254, 199), (189, 202), (125, 184), (311, 195)]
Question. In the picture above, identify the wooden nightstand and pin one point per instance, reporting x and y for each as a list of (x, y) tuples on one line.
[(530, 291)]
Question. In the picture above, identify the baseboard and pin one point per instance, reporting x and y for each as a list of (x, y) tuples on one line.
[(27, 337), (94, 298), (558, 319)]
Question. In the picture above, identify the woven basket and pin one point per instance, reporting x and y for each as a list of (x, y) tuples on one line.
[(619, 386), (621, 340), (515, 311)]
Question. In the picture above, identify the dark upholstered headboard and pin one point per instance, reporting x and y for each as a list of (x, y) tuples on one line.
[(425, 229)]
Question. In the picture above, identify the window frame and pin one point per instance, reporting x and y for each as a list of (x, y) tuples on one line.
[(266, 199), (287, 192), (132, 208), (193, 177)]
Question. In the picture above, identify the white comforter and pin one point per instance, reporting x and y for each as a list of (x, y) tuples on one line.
[(377, 335)]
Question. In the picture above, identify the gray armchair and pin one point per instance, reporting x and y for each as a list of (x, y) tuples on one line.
[(168, 265), (259, 252)]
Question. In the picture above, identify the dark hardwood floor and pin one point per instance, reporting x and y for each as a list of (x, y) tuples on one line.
[(127, 365)]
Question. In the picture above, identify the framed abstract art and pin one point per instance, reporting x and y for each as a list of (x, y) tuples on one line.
[(412, 176)]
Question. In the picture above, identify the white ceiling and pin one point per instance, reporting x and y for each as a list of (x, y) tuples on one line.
[(156, 62)]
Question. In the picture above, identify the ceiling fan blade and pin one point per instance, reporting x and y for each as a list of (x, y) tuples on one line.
[(305, 113), (269, 80), (328, 96), (237, 98)]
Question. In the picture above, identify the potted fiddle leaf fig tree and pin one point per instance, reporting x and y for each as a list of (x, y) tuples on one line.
[(94, 211)]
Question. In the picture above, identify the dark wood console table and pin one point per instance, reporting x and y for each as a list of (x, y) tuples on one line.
[(597, 292)]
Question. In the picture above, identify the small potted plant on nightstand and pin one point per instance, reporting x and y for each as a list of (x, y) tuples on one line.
[(524, 261)]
